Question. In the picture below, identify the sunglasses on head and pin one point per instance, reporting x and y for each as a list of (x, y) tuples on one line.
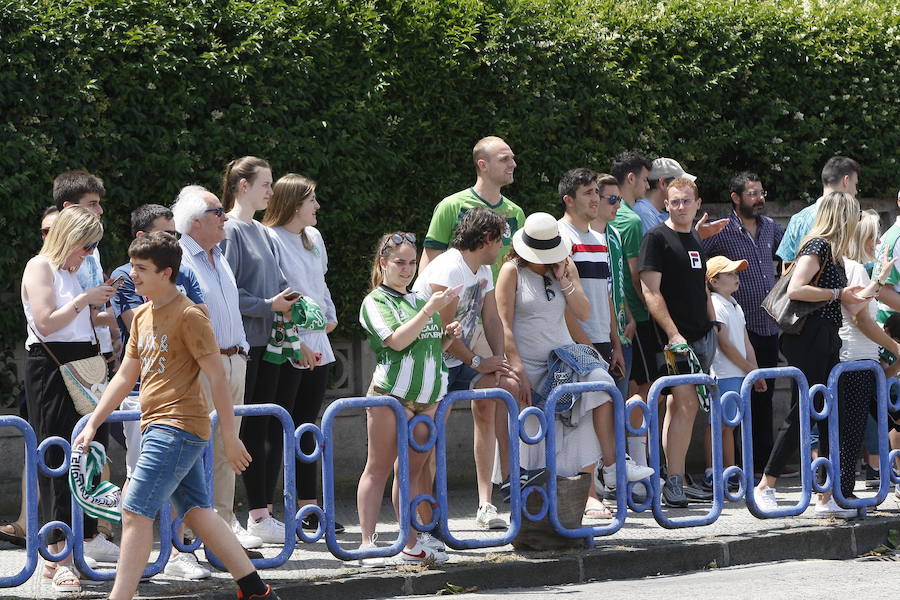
[(90, 247), (218, 210), (612, 199), (399, 238)]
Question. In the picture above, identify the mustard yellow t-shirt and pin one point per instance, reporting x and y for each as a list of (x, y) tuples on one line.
[(168, 341)]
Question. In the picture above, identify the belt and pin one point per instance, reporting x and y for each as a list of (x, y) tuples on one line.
[(231, 351)]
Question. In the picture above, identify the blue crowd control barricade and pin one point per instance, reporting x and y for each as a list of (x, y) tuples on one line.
[(165, 518), (326, 520), (440, 419), (805, 406), (328, 498), (892, 400), (622, 487), (654, 445), (881, 399), (31, 501), (288, 466)]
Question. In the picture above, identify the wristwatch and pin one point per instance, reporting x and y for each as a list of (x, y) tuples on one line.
[(476, 360)]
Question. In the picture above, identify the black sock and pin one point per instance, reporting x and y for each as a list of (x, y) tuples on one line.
[(251, 584)]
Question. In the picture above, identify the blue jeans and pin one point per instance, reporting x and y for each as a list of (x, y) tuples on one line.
[(729, 384), (170, 466)]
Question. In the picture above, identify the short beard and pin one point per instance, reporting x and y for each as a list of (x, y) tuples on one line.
[(748, 212)]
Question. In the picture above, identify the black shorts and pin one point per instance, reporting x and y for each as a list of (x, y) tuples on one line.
[(646, 346)]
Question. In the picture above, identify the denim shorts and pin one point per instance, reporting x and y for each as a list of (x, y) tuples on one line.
[(729, 384), (462, 377), (170, 466)]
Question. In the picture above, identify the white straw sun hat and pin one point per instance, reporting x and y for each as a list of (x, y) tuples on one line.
[(539, 241)]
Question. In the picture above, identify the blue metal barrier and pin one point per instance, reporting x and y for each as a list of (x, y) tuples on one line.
[(35, 463)]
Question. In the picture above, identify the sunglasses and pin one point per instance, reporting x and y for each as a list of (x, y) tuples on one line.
[(173, 233), (398, 238), (45, 231), (548, 288), (612, 199), (218, 210), (90, 247)]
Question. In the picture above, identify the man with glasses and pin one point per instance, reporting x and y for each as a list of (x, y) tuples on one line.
[(673, 278), (652, 208), (751, 236), (200, 219)]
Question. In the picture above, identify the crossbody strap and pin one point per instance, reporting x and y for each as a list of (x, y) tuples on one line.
[(47, 348)]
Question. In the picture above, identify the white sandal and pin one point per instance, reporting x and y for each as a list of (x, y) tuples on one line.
[(65, 580)]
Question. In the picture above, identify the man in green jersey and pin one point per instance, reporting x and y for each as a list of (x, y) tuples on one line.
[(494, 167)]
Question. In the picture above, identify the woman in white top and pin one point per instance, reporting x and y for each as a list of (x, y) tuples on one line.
[(58, 313), (290, 221), (860, 338)]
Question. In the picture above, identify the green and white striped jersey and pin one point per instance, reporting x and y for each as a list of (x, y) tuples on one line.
[(417, 373)]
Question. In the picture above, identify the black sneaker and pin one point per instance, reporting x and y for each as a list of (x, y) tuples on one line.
[(269, 595), (695, 492), (673, 492), (253, 554), (873, 478), (311, 523)]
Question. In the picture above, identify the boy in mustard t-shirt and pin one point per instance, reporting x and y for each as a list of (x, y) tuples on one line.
[(171, 342)]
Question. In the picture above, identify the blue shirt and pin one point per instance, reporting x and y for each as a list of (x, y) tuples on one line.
[(736, 243), (650, 216), (127, 298), (220, 293), (797, 228)]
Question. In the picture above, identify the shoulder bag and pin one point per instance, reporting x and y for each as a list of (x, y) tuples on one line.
[(790, 315)]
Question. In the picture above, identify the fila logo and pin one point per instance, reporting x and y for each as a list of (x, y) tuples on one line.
[(695, 259)]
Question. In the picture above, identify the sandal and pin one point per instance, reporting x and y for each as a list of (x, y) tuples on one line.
[(66, 580), (598, 512), (16, 538)]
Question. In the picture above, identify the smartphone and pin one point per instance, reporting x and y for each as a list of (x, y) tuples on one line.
[(118, 281), (292, 296)]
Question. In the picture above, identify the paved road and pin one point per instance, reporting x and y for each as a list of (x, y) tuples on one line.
[(771, 581)]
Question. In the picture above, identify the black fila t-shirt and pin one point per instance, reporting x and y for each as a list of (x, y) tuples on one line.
[(680, 259)]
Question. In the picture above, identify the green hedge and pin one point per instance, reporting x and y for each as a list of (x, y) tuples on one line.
[(381, 101)]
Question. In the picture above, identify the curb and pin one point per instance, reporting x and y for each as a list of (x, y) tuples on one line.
[(598, 564)]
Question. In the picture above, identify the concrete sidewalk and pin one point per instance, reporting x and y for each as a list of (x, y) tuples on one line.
[(640, 548)]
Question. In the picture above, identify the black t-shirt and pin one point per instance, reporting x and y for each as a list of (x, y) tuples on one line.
[(680, 259), (833, 277)]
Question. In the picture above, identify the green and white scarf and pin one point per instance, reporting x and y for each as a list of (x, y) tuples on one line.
[(101, 500), (284, 343)]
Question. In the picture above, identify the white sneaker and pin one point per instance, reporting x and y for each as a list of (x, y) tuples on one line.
[(426, 539), (101, 549), (91, 562), (186, 566), (633, 471), (269, 530), (831, 509), (765, 498), (377, 561), (487, 517), (420, 554), (249, 542)]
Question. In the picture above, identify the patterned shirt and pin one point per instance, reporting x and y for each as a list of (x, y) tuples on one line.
[(417, 373), (736, 243), (797, 228)]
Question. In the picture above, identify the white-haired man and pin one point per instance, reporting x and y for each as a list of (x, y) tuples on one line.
[(200, 219)]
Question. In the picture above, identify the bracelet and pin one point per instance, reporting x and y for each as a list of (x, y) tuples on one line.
[(569, 287), (571, 291), (835, 294)]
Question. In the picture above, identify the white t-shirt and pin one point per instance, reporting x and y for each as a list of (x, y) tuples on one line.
[(854, 344), (731, 314), (449, 269), (591, 256)]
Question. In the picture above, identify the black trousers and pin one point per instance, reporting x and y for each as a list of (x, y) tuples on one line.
[(261, 388), (815, 351), (50, 413), (856, 394), (766, 349), (303, 392)]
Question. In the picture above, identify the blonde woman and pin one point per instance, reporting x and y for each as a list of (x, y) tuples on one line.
[(58, 313), (819, 276)]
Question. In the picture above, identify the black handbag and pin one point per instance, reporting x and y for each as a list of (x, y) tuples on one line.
[(790, 315)]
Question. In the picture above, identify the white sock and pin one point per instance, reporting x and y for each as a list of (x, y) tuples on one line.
[(637, 449), (708, 471)]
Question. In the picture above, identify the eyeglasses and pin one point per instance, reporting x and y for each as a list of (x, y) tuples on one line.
[(548, 288), (173, 233), (398, 238), (678, 203), (90, 247), (756, 193), (612, 199), (218, 210)]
